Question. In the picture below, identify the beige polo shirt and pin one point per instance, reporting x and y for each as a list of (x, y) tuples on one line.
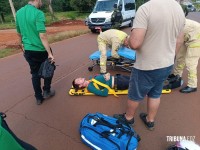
[(163, 21)]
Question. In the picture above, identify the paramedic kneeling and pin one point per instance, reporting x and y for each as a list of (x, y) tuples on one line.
[(118, 82), (189, 55), (113, 38)]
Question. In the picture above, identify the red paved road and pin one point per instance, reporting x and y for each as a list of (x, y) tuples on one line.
[(55, 124)]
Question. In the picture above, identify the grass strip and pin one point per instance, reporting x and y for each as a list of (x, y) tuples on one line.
[(51, 38), (8, 51), (66, 35)]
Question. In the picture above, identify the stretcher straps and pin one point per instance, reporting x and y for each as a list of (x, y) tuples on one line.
[(96, 83)]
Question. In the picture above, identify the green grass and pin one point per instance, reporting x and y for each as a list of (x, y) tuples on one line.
[(197, 6), (74, 15), (52, 38), (66, 35), (8, 51), (7, 26), (9, 22)]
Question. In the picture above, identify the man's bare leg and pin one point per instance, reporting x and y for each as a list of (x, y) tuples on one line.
[(131, 109), (152, 108)]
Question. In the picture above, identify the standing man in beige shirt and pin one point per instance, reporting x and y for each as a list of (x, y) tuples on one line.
[(154, 35)]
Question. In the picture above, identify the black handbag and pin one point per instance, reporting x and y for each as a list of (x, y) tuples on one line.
[(47, 69)]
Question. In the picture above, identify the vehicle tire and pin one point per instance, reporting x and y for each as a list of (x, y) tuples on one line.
[(114, 27), (93, 30), (90, 69), (131, 23)]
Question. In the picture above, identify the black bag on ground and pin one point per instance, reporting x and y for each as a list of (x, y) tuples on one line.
[(173, 82), (8, 140), (47, 69)]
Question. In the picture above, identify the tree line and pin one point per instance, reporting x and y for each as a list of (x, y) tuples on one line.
[(52, 5), (57, 5)]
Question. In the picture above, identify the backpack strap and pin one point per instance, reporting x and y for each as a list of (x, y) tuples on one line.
[(102, 121), (96, 83), (120, 126)]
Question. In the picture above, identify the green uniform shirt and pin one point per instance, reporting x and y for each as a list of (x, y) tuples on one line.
[(102, 91), (7, 141), (30, 21)]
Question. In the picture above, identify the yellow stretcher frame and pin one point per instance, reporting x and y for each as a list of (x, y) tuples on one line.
[(85, 92)]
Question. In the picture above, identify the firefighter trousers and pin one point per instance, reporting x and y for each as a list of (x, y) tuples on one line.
[(188, 57)]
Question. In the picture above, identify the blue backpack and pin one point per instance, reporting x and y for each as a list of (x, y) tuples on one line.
[(100, 131)]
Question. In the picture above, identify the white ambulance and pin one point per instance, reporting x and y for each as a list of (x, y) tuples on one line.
[(102, 12)]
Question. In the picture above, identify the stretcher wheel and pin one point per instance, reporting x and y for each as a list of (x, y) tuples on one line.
[(90, 68)]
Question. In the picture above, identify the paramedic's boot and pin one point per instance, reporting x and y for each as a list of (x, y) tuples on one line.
[(188, 89), (49, 94)]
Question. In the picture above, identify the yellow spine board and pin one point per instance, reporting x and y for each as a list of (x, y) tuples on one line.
[(118, 92)]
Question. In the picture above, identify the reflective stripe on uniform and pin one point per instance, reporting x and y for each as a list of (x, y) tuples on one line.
[(102, 63), (194, 45)]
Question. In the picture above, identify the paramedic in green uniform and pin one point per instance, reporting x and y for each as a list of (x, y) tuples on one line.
[(112, 38), (189, 55), (30, 24)]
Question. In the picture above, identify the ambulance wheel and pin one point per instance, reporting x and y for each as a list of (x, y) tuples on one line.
[(90, 68), (131, 23)]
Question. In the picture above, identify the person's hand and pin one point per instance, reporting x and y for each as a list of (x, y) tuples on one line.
[(106, 76), (51, 58), (22, 47)]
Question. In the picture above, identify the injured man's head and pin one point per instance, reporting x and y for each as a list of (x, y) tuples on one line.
[(80, 83)]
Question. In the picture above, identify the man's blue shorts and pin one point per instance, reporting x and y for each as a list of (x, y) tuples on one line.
[(148, 83)]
